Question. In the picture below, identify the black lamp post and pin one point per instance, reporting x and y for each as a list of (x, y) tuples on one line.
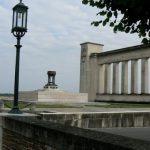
[(19, 28)]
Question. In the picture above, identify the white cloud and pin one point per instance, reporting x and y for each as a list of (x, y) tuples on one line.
[(55, 31)]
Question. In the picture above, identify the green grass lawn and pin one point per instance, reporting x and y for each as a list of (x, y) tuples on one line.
[(6, 94), (54, 106), (121, 105), (8, 104)]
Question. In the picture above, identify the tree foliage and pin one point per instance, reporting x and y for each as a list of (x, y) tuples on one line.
[(129, 16)]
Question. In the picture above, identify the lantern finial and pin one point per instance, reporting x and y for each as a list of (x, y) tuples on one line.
[(20, 1)]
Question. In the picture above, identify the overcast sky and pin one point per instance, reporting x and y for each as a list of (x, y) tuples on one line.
[(55, 31)]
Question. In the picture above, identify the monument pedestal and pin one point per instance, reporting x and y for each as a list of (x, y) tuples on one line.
[(51, 93)]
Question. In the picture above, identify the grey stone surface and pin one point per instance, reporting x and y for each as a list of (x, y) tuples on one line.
[(11, 115), (136, 133), (64, 137), (93, 110), (123, 98), (101, 119)]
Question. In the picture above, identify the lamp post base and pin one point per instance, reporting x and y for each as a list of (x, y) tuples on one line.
[(15, 111)]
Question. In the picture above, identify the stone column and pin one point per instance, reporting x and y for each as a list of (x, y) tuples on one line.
[(93, 76), (134, 76), (103, 79), (99, 79), (115, 87), (144, 76), (124, 77), (108, 79)]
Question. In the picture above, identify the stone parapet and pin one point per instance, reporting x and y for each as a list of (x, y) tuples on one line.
[(24, 133), (98, 120)]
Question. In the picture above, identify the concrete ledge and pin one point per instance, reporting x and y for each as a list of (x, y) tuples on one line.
[(64, 137), (101, 120), (123, 98)]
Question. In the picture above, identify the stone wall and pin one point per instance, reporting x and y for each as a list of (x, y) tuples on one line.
[(30, 134), (15, 141), (101, 120)]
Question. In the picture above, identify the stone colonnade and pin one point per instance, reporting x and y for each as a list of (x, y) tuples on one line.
[(117, 75), (114, 77)]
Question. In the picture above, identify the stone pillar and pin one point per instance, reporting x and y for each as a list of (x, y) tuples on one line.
[(124, 77), (108, 78), (103, 79), (87, 49), (93, 84), (144, 76), (134, 76), (115, 87), (99, 78)]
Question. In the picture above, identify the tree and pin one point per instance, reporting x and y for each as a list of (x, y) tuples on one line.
[(129, 16)]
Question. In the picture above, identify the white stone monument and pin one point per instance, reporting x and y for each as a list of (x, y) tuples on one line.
[(51, 93)]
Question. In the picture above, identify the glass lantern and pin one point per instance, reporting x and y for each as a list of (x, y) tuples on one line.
[(20, 14)]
